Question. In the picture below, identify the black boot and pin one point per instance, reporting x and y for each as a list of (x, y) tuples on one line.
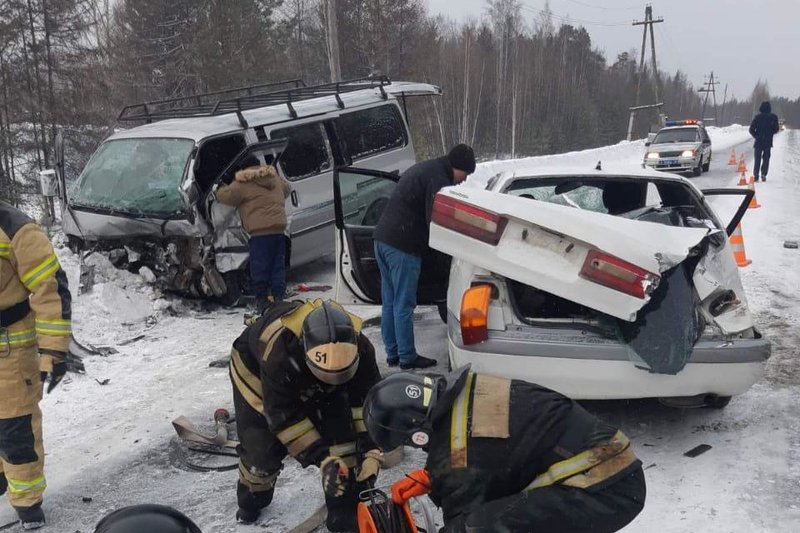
[(251, 503), (342, 514), (31, 517)]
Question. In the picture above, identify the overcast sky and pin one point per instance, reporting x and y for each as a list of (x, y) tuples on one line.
[(740, 40)]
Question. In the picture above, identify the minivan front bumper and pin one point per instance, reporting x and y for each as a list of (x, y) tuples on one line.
[(587, 366)]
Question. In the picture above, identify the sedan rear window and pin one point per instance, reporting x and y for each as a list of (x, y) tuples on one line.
[(664, 202)]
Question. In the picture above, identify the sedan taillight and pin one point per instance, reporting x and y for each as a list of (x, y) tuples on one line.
[(615, 273), (467, 219)]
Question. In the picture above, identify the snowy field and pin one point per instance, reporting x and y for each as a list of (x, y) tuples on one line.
[(112, 445)]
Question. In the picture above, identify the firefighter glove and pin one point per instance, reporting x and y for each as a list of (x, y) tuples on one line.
[(370, 466), (53, 365), (414, 484), (336, 477)]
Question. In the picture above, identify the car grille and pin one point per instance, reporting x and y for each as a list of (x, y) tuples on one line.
[(669, 154)]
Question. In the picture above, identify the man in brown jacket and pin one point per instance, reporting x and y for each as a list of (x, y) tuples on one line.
[(35, 332), (259, 195)]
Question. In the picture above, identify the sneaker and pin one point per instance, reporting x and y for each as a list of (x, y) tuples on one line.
[(31, 517), (393, 362), (419, 362), (764, 178)]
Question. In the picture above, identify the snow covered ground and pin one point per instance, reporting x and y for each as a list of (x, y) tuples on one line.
[(113, 443)]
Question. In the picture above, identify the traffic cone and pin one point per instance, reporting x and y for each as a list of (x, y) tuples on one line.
[(732, 160), (753, 203), (742, 179), (752, 180), (742, 165), (737, 243)]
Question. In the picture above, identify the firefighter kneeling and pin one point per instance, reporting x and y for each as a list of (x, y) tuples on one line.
[(300, 375), (507, 455)]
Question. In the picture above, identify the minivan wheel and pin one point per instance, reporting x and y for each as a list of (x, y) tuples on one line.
[(707, 165), (717, 402), (233, 289)]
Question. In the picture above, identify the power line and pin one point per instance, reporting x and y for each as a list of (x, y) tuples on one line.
[(631, 8), (569, 19)]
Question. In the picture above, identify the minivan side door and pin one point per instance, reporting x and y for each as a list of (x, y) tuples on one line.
[(308, 164)]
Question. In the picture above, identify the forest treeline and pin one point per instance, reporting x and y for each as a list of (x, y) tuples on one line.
[(516, 82)]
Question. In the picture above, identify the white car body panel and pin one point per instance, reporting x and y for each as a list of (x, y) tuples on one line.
[(588, 379), (546, 247)]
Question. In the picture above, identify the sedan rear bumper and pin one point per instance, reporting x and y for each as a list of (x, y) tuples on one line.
[(590, 367)]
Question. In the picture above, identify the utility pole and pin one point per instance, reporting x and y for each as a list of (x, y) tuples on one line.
[(709, 87), (333, 42), (648, 23), (724, 99)]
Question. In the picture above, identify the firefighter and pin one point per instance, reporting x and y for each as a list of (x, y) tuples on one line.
[(506, 455), (35, 332), (300, 374)]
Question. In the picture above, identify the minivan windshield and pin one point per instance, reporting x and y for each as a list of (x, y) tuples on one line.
[(680, 135), (136, 176)]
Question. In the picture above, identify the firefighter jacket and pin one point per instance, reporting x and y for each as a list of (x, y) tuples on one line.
[(310, 418), (500, 435)]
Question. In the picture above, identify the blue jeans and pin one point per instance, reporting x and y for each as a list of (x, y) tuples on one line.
[(399, 279), (268, 266)]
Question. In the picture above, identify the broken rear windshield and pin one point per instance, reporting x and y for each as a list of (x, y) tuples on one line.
[(682, 135), (136, 176), (665, 202)]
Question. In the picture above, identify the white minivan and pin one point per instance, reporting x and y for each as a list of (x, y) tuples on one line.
[(146, 196)]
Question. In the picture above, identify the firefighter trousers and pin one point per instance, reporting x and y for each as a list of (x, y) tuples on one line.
[(21, 447), (559, 509)]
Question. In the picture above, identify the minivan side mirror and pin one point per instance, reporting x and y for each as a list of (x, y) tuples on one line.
[(49, 181), (648, 143)]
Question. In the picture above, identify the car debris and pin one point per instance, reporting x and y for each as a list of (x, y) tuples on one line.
[(792, 245), (697, 450)]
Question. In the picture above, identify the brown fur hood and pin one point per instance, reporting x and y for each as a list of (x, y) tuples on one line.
[(264, 175)]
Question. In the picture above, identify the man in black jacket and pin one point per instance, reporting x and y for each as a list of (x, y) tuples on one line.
[(300, 375), (763, 127), (401, 238), (507, 455)]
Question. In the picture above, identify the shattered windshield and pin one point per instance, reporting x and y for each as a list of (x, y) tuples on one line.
[(137, 176), (682, 135)]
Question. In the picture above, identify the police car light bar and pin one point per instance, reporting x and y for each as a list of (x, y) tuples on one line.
[(687, 122)]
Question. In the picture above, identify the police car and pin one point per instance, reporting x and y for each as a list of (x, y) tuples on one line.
[(681, 146)]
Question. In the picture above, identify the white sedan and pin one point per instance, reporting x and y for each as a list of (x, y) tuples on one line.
[(600, 284)]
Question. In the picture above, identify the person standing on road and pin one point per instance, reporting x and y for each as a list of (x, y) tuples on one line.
[(401, 238), (300, 375), (506, 455), (762, 128), (259, 195), (35, 332)]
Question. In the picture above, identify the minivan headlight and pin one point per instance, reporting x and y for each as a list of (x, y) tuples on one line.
[(688, 153), (652, 155)]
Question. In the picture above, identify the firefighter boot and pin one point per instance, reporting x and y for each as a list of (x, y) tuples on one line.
[(31, 517), (251, 503), (342, 513)]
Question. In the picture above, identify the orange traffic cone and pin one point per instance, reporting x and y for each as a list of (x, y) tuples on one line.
[(753, 203), (732, 160), (737, 243), (742, 179), (742, 165), (752, 180)]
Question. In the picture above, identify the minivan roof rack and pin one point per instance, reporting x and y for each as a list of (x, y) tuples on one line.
[(255, 96)]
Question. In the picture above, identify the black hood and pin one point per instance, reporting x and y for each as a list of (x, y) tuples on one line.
[(766, 107)]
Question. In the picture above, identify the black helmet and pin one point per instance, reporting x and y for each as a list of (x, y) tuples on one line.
[(331, 344), (402, 408), (146, 518)]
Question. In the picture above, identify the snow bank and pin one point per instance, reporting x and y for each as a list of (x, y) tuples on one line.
[(626, 152)]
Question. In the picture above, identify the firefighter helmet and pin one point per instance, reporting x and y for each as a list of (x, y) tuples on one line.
[(401, 409), (139, 518), (331, 344)]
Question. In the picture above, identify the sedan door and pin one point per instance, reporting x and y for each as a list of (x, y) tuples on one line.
[(360, 195)]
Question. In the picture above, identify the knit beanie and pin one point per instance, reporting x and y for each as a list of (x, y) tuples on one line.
[(462, 157)]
